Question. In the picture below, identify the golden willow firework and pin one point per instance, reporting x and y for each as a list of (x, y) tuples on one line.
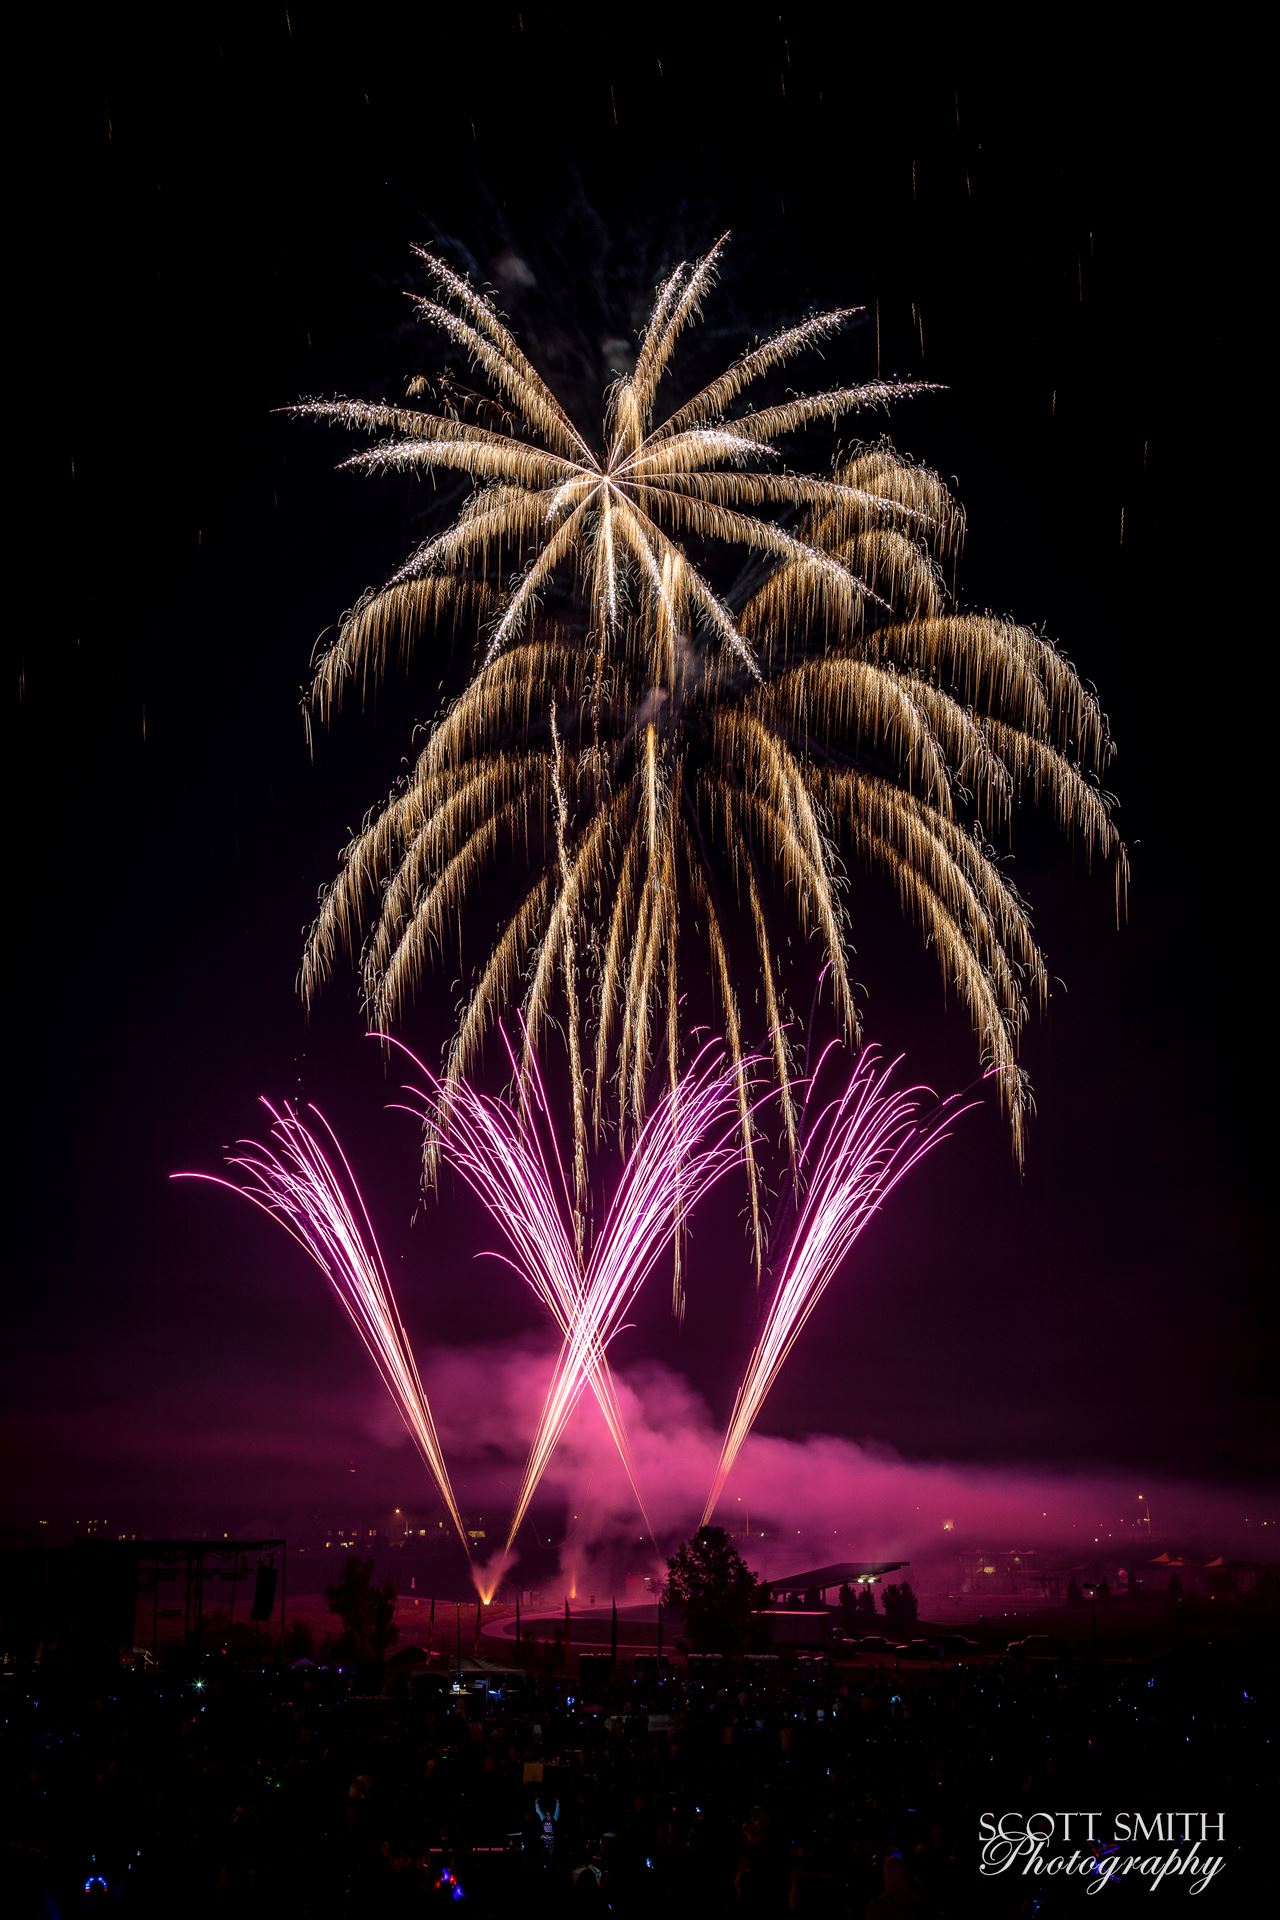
[(659, 755)]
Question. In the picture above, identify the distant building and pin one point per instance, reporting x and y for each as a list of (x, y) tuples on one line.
[(1055, 1582), (798, 1589), (1014, 1571), (1002, 1574), (1216, 1576)]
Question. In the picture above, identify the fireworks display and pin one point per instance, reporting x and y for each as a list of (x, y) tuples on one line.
[(857, 1151), (634, 738), (507, 1154), (626, 590), (587, 1278), (312, 1193), (652, 755)]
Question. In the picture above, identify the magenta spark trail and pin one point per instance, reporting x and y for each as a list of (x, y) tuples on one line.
[(507, 1154), (857, 1151), (317, 1200)]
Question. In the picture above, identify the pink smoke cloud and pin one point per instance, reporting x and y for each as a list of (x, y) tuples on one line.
[(809, 1500)]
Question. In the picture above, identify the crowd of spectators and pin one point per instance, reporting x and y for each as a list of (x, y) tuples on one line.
[(800, 1787)]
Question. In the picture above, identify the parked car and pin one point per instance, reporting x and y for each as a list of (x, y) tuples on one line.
[(956, 1646), (874, 1643), (1034, 1644), (918, 1650)]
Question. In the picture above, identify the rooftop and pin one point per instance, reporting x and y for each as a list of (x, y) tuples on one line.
[(835, 1575)]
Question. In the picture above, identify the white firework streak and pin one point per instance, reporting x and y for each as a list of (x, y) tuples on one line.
[(317, 1200), (857, 1151), (691, 1139)]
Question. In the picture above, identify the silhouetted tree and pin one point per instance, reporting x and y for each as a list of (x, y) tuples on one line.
[(714, 1589), (367, 1612), (1075, 1593), (866, 1604), (300, 1641), (901, 1608)]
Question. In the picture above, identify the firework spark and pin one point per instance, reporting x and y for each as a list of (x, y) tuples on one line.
[(631, 736), (313, 1194), (507, 1154), (612, 519), (857, 1151)]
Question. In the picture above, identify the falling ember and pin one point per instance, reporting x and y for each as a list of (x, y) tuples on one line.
[(508, 1156), (857, 1151), (315, 1198)]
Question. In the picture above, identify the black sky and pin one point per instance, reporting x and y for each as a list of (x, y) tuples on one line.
[(219, 210)]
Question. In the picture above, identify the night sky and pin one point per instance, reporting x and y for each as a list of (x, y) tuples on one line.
[(221, 209)]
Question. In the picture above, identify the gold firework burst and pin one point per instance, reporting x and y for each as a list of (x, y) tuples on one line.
[(653, 750)]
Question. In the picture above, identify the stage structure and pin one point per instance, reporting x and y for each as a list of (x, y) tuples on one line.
[(246, 1577), (90, 1602)]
